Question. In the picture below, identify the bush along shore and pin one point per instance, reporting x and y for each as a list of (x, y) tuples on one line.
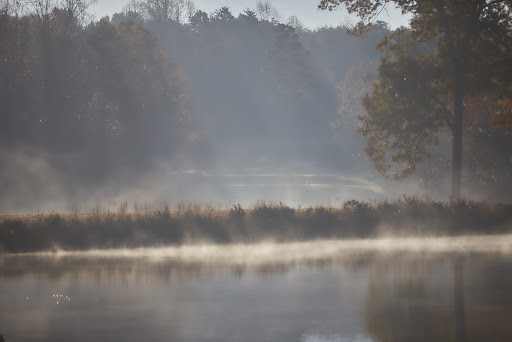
[(192, 224)]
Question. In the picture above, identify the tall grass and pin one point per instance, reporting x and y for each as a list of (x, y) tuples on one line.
[(155, 224)]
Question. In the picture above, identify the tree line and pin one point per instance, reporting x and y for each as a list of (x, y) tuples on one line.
[(162, 80), (106, 93)]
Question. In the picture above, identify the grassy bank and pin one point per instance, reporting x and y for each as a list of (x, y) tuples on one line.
[(159, 226)]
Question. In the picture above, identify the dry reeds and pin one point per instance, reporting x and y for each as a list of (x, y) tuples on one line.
[(155, 224)]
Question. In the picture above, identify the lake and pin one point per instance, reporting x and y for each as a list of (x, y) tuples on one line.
[(444, 289)]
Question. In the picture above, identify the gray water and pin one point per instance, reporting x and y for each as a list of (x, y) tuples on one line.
[(361, 291)]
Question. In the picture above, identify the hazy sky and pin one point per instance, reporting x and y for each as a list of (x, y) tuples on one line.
[(305, 10)]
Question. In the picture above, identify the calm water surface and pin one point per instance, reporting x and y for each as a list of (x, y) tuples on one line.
[(272, 294)]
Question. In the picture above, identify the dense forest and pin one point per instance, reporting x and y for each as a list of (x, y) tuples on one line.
[(92, 104)]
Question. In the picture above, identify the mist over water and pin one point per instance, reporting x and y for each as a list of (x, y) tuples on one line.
[(41, 188), (270, 252), (318, 291), (31, 183)]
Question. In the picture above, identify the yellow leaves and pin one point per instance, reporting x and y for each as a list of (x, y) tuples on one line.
[(489, 112), (402, 120), (503, 120)]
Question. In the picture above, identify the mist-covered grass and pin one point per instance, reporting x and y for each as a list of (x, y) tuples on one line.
[(158, 225)]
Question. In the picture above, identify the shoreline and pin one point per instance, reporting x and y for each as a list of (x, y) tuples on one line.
[(162, 227)]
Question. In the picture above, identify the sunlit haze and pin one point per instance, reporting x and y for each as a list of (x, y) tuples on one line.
[(255, 170)]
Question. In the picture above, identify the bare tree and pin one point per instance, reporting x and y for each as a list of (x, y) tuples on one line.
[(295, 22), (163, 11), (78, 9), (266, 11), (134, 6), (42, 10), (184, 9), (12, 7)]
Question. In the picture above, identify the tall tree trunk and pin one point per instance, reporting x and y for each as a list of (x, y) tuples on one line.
[(458, 110), (457, 63)]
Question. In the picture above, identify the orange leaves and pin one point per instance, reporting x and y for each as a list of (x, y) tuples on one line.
[(502, 119)]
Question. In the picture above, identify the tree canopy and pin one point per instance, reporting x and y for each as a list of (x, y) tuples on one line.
[(453, 54), (104, 92)]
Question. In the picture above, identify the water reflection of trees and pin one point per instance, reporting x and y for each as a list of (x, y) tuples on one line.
[(440, 299), (109, 269), (411, 296), (121, 269)]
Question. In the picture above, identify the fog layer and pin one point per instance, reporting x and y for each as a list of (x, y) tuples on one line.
[(180, 104), (263, 253)]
